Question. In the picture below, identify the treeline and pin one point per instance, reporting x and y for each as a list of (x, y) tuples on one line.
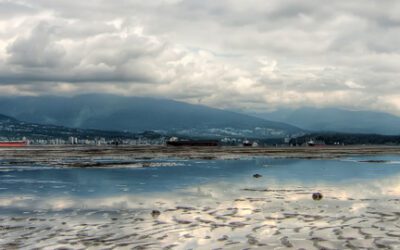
[(347, 139)]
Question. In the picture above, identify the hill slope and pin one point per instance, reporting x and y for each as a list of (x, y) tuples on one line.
[(136, 114), (339, 120), (13, 128)]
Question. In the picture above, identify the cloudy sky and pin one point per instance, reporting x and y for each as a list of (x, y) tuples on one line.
[(251, 55)]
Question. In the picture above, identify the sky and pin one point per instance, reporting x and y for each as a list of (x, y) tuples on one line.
[(251, 55)]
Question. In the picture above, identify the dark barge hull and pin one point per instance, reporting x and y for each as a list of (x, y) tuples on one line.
[(209, 143)]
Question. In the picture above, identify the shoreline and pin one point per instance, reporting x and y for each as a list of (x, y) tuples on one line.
[(153, 152)]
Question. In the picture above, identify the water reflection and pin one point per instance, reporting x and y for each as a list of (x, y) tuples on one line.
[(170, 175), (189, 181)]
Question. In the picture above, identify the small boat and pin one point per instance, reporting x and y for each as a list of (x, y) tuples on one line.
[(247, 143), (315, 143)]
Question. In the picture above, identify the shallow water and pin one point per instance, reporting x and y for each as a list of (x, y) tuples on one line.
[(204, 204), (172, 175)]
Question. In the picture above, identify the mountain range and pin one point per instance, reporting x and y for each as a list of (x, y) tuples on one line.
[(137, 114), (337, 120)]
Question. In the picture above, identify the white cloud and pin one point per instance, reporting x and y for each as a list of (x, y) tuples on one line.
[(231, 54)]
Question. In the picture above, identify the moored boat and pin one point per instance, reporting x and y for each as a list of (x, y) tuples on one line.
[(13, 143), (174, 141)]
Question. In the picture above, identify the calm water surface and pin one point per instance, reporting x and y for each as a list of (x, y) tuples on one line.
[(175, 175)]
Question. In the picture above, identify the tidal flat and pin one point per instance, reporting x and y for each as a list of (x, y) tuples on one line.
[(199, 198)]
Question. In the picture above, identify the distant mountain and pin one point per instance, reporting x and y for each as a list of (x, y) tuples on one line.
[(339, 120), (135, 114), (12, 128)]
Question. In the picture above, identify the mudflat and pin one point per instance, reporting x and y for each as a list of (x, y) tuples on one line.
[(50, 153)]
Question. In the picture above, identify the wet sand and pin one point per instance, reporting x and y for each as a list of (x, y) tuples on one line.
[(280, 219)]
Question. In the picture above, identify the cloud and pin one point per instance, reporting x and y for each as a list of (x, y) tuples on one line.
[(252, 55), (37, 50)]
